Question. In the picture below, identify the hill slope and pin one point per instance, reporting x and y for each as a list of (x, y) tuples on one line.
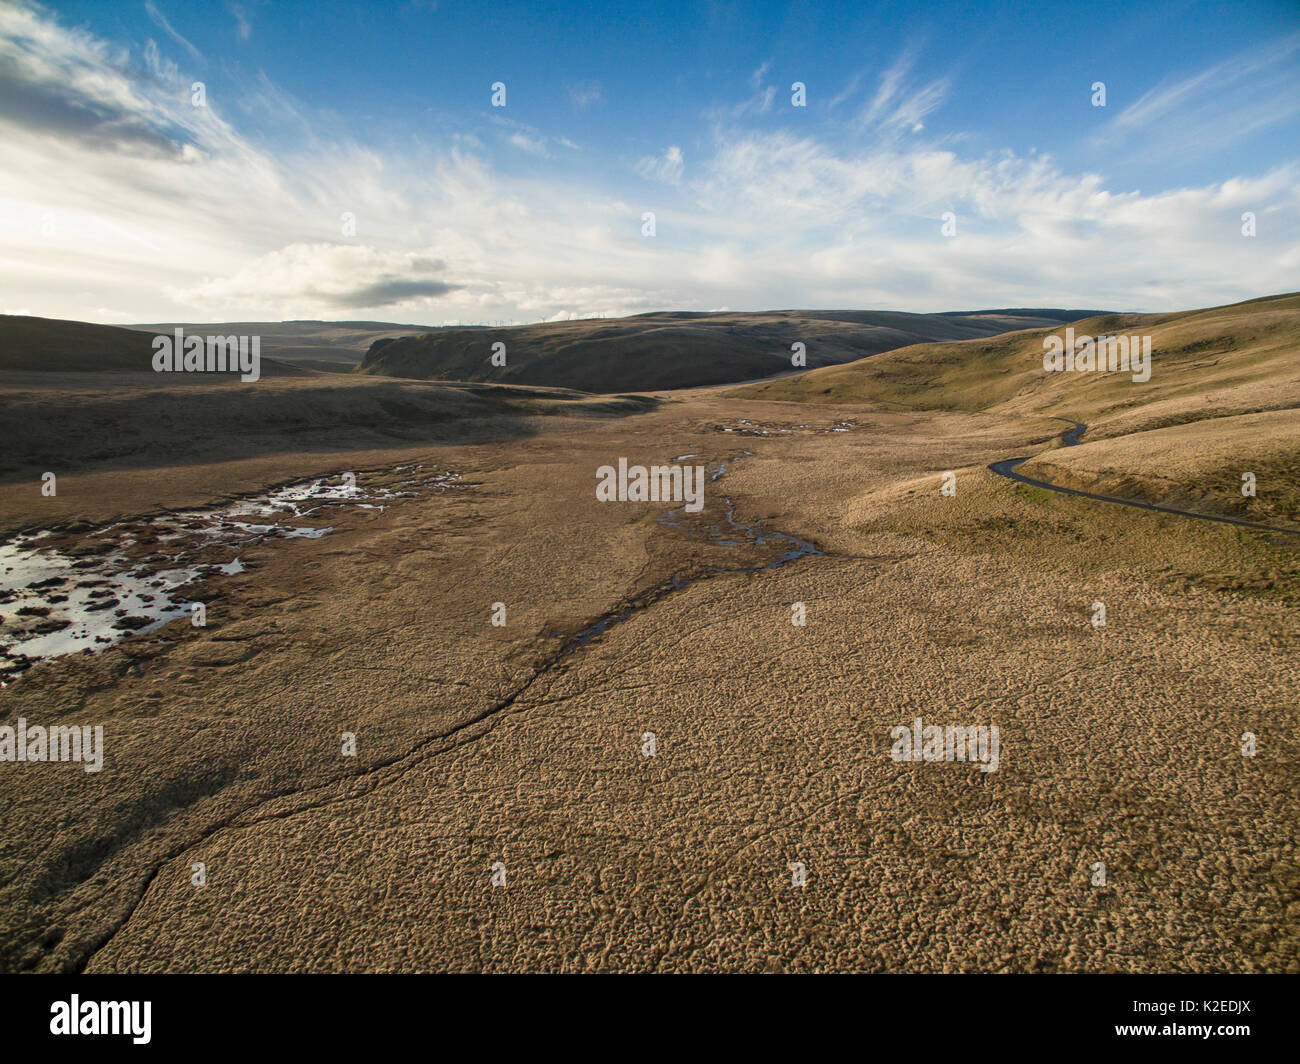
[(1218, 361), (336, 346), (677, 350), (51, 345)]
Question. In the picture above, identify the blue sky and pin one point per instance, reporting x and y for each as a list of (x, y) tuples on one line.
[(132, 204)]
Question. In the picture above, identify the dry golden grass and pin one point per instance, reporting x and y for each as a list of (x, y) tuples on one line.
[(479, 744), (1196, 465), (1209, 363)]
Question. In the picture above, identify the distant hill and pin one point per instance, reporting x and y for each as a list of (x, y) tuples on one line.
[(678, 349), (1215, 362), (51, 345), (333, 346), (43, 345)]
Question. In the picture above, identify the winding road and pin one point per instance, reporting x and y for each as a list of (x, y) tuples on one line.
[(1006, 468)]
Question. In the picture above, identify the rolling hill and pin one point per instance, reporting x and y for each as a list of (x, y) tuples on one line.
[(1221, 402), (333, 346), (52, 345), (678, 349), (1220, 361)]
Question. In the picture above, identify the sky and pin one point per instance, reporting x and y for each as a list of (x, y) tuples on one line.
[(249, 161)]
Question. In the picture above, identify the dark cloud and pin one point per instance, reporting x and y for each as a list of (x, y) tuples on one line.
[(424, 264), (60, 110), (383, 293)]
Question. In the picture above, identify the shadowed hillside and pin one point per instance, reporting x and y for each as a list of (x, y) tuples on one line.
[(678, 350), (334, 346), (137, 421), (51, 345)]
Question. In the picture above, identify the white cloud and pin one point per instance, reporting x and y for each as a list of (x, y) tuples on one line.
[(329, 277), (585, 93), (243, 28), (160, 20), (535, 145), (151, 210), (1212, 109), (667, 167), (897, 105)]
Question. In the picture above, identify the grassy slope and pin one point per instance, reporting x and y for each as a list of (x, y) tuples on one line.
[(137, 421), (1195, 466), (1225, 382), (672, 350), (1215, 362), (50, 345)]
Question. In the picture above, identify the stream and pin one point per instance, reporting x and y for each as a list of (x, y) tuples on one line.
[(775, 549), (63, 592)]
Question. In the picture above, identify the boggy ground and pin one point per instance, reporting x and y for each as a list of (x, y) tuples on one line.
[(479, 744)]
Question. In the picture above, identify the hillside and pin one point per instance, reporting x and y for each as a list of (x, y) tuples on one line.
[(138, 423), (1195, 466), (333, 346), (678, 350), (52, 345), (1219, 361)]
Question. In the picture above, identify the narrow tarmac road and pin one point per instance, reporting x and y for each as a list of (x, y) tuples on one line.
[(1006, 468)]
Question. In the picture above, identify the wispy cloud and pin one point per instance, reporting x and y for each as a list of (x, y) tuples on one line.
[(667, 167), (243, 28), (524, 142), (117, 193), (848, 92), (160, 20), (761, 97), (899, 103), (529, 138), (585, 93), (1212, 108)]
